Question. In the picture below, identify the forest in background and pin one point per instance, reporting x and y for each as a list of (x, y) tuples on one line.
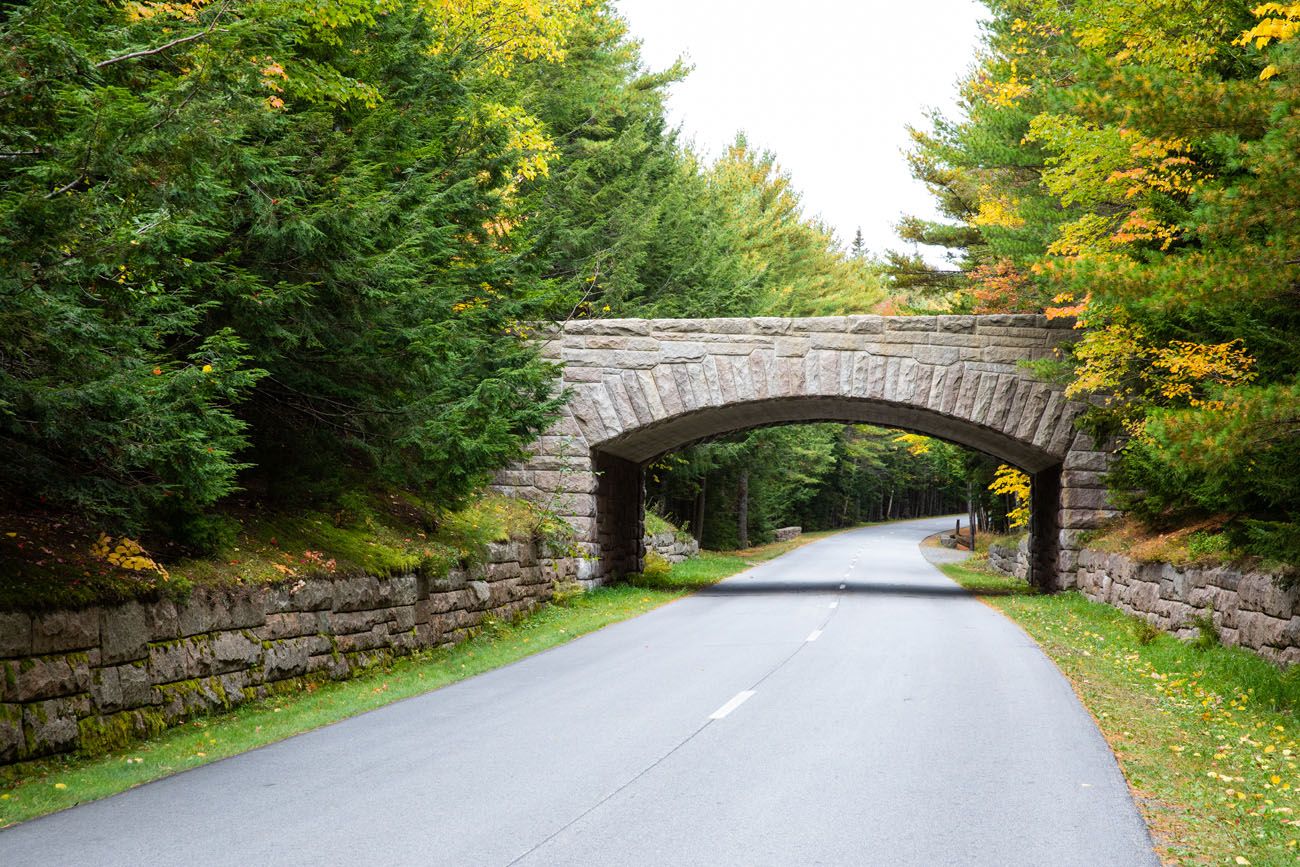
[(266, 252), (736, 492)]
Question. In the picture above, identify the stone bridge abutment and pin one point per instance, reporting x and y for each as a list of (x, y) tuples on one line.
[(642, 387)]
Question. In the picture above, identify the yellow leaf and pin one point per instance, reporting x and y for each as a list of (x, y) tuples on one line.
[(1269, 71)]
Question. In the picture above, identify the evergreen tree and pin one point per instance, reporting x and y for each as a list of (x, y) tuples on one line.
[(266, 238), (859, 248), (1134, 166)]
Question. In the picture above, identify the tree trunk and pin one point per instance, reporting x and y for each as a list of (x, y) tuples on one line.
[(697, 526), (742, 517), (971, 512)]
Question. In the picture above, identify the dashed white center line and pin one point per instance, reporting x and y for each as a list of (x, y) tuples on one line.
[(740, 698), (816, 634)]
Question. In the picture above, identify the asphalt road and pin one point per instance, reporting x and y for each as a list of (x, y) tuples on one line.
[(843, 704)]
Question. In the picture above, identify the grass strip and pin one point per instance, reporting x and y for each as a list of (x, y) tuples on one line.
[(37, 788), (1206, 735)]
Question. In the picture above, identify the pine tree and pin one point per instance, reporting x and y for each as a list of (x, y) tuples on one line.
[(858, 250)]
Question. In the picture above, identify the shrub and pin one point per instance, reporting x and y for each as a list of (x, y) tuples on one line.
[(208, 535), (656, 524), (1203, 546), (1238, 461), (1145, 632), (564, 592), (656, 573), (656, 569), (1207, 634)]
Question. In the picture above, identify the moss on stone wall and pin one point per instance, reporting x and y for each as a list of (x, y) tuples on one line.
[(102, 734), (137, 698)]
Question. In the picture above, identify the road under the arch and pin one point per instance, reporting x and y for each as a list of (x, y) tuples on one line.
[(843, 704)]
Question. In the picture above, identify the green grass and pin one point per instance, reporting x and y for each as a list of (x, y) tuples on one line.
[(656, 524), (985, 583), (57, 784), (710, 567), (1006, 540), (1209, 739)]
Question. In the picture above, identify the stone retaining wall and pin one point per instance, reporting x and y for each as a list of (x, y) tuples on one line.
[(673, 547), (1008, 560), (787, 534), (1250, 609), (98, 677)]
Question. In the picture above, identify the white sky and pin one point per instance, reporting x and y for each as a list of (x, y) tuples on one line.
[(828, 85)]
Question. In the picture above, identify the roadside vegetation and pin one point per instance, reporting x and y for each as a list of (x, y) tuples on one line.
[(264, 259), (271, 270), (1133, 166), (1204, 542), (983, 541), (1208, 736), (742, 488), (48, 562), (655, 524), (41, 787)]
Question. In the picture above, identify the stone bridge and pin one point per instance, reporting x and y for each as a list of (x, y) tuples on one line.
[(640, 388)]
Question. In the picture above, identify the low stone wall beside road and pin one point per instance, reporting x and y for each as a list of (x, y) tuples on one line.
[(98, 677), (672, 546), (786, 534), (1250, 609), (1011, 560)]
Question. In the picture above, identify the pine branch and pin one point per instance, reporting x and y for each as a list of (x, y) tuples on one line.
[(150, 51), (69, 185), (147, 52)]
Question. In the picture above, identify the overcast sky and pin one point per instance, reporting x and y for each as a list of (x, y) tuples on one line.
[(829, 85)]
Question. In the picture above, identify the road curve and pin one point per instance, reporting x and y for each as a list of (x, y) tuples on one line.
[(843, 704)]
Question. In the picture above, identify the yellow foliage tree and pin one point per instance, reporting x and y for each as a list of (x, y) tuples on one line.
[(1121, 362), (1278, 21), (1009, 481), (505, 31), (916, 444)]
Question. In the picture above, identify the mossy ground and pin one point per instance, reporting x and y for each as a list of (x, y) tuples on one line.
[(1205, 543), (37, 788), (656, 524), (1005, 540), (47, 563), (1209, 739)]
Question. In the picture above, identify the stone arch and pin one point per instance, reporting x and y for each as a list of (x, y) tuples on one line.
[(640, 388)]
